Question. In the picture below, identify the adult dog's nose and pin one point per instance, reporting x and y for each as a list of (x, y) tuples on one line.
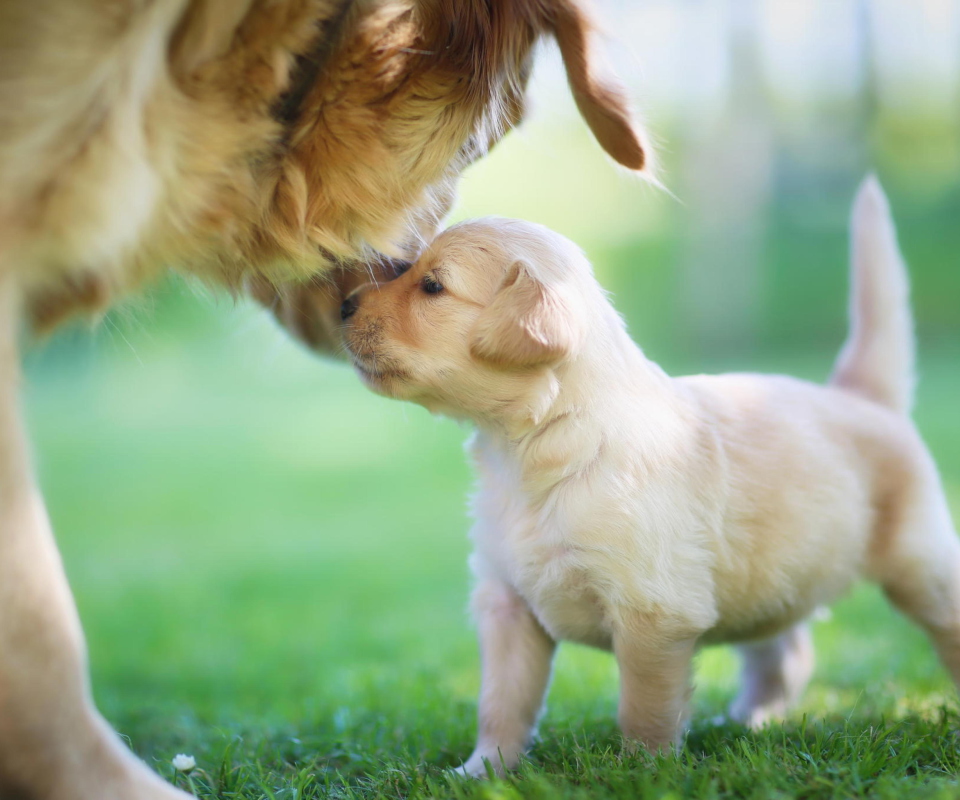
[(349, 307)]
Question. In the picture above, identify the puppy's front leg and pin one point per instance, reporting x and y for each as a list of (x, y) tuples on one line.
[(654, 683), (516, 653)]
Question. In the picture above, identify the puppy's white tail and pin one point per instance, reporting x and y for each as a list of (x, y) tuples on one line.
[(877, 360)]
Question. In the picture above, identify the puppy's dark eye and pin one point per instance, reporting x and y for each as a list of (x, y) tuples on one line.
[(431, 285)]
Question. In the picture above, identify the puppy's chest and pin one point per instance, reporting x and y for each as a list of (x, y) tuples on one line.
[(542, 557)]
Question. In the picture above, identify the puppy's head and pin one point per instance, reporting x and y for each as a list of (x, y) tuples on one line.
[(477, 322)]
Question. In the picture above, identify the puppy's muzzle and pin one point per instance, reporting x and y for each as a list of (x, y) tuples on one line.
[(386, 270)]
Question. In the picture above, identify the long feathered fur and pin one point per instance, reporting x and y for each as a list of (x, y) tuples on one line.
[(239, 138)]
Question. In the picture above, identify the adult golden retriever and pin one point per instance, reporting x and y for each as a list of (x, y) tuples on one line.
[(257, 142)]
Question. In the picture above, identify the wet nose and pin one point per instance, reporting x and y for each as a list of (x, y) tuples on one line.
[(349, 307)]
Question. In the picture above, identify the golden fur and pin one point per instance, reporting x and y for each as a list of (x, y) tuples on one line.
[(273, 144), (648, 515), (231, 138)]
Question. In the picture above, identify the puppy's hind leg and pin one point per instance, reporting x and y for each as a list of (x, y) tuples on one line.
[(53, 743), (919, 569), (773, 676)]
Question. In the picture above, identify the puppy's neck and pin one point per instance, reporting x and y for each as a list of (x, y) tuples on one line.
[(559, 429)]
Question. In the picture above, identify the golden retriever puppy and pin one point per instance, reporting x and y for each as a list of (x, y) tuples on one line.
[(648, 515), (270, 143)]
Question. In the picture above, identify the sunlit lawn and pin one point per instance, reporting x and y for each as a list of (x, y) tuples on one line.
[(270, 564)]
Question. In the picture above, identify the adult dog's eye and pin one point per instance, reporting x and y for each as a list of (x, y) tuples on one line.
[(431, 285)]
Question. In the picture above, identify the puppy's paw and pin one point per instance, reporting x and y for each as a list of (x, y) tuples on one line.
[(461, 772), (486, 765), (757, 715)]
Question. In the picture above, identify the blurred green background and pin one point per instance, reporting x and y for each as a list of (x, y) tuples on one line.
[(261, 548)]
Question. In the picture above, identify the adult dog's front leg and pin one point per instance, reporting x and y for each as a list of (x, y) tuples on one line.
[(517, 653), (654, 683), (53, 744)]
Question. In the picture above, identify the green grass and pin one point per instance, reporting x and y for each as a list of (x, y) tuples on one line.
[(270, 565), (270, 562)]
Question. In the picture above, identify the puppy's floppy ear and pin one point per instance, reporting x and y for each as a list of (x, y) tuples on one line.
[(528, 324), (600, 98)]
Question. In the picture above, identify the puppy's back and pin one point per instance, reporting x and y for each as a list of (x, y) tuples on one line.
[(811, 471)]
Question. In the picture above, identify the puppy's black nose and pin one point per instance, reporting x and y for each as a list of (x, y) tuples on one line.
[(348, 308)]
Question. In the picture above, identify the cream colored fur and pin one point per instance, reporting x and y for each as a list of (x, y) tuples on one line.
[(648, 515)]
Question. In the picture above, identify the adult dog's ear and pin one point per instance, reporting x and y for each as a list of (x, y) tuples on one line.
[(600, 97), (527, 325)]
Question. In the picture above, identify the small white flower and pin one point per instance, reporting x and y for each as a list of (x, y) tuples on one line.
[(822, 614), (184, 763)]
